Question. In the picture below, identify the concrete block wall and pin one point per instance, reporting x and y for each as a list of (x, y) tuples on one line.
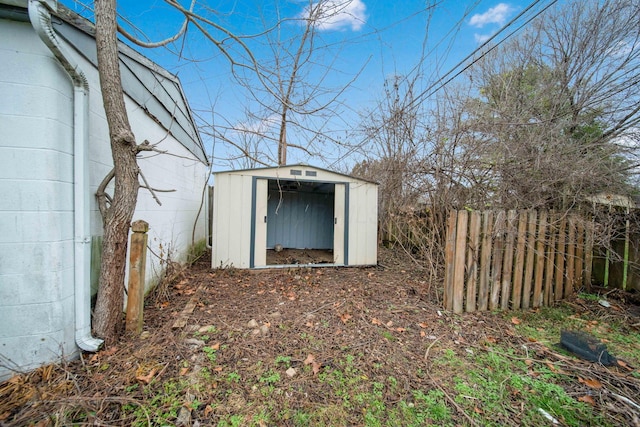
[(36, 207)]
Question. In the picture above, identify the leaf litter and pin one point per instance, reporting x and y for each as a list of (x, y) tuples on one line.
[(308, 320)]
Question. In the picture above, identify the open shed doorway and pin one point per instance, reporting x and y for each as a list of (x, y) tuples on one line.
[(300, 222)]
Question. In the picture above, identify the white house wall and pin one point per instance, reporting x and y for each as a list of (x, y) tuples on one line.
[(36, 208), (171, 224)]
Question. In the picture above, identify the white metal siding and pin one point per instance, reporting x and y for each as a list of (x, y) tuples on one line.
[(260, 235), (363, 223), (232, 214), (339, 211), (232, 221)]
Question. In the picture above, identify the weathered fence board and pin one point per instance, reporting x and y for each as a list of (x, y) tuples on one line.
[(472, 260), (560, 254), (519, 268), (530, 217), (485, 260), (548, 280), (459, 264), (514, 259), (538, 299), (507, 265), (496, 267), (449, 257)]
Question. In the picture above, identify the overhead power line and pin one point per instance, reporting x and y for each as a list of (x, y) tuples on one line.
[(445, 79)]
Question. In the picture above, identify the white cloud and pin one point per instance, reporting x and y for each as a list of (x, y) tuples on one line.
[(259, 127), (481, 38), (496, 15), (338, 14), (623, 48)]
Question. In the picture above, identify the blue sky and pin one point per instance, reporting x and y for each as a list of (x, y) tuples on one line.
[(370, 39)]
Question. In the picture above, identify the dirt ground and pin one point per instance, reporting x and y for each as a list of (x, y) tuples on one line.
[(299, 256), (258, 317)]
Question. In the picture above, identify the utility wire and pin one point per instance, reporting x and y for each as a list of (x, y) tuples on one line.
[(432, 89)]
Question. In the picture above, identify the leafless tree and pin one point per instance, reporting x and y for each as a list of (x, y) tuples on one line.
[(394, 141), (117, 217), (555, 119), (546, 120), (285, 81), (290, 95)]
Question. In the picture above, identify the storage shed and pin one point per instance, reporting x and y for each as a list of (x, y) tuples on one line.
[(293, 215)]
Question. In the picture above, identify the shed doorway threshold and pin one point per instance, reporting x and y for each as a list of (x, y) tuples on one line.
[(289, 256)]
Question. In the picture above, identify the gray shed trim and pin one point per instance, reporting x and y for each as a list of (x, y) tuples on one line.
[(254, 180), (295, 177)]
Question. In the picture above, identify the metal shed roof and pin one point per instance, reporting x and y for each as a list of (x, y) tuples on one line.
[(153, 88), (294, 166)]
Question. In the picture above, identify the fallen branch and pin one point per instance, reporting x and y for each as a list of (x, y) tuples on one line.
[(453, 402), (426, 354)]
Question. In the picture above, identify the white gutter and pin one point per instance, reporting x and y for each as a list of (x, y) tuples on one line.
[(40, 17)]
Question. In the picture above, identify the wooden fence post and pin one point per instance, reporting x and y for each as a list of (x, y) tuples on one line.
[(473, 255), (137, 264), (507, 261), (459, 262), (518, 277), (485, 260), (449, 257), (538, 296), (528, 265), (498, 253)]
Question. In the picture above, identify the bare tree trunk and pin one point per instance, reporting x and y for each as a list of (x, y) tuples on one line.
[(117, 219)]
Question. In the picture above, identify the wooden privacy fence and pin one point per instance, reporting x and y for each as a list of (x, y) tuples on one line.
[(514, 259)]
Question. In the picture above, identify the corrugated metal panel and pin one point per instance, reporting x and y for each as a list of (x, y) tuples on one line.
[(232, 222), (363, 224), (300, 219), (157, 91)]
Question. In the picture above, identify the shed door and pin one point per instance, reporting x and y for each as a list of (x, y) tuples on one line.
[(260, 238), (339, 225)]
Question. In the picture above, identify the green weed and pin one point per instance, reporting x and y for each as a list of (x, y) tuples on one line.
[(233, 377), (211, 354), (283, 360)]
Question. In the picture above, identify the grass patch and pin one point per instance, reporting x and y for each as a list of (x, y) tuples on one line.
[(546, 323), (433, 368)]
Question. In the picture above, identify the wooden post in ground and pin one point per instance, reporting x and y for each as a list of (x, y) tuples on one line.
[(459, 264), (137, 264), (449, 259)]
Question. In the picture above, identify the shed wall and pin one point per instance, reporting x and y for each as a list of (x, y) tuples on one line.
[(232, 221), (363, 223), (233, 193)]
